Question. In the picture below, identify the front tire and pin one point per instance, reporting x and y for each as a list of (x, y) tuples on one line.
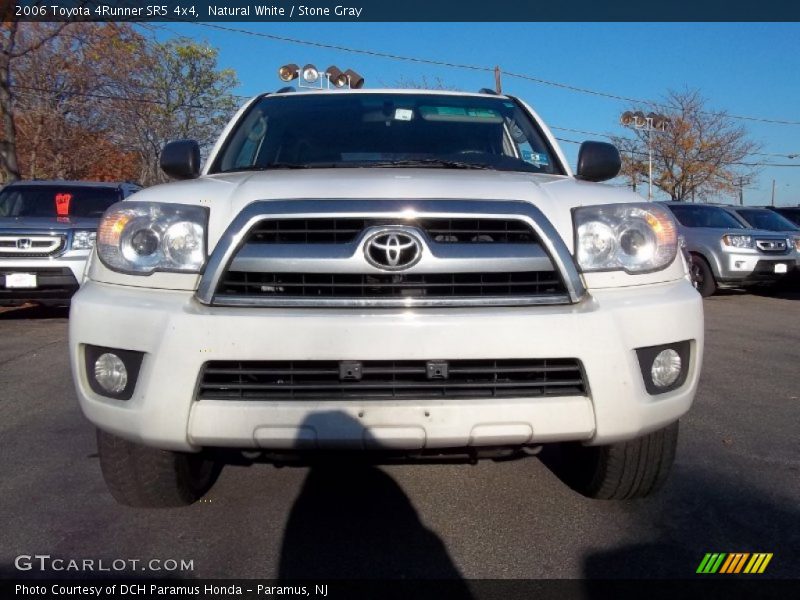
[(632, 469), (147, 477), (702, 276)]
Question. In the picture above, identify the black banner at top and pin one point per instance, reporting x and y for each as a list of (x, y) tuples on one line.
[(398, 10)]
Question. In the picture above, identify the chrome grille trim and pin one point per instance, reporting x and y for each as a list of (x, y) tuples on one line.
[(235, 235), (36, 245)]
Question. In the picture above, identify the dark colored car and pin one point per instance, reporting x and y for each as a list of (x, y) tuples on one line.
[(47, 231), (791, 213)]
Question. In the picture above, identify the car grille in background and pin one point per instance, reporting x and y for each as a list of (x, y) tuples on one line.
[(418, 285), (374, 379), (38, 246), (346, 230), (773, 246)]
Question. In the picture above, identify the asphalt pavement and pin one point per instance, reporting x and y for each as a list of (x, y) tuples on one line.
[(735, 486)]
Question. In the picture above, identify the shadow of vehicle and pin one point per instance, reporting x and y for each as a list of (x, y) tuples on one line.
[(353, 521)]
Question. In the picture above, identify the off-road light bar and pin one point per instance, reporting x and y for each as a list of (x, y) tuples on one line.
[(310, 76)]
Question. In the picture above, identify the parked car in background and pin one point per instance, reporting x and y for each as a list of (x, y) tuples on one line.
[(725, 252), (761, 218), (47, 231), (792, 213)]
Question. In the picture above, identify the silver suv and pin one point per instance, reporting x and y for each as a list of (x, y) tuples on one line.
[(47, 231), (724, 251)]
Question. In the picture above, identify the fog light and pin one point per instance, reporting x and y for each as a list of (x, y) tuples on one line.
[(110, 373), (666, 368)]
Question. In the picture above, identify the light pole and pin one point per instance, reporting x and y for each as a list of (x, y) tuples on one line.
[(650, 123)]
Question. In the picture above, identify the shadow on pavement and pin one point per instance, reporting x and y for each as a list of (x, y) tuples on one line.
[(352, 520), (699, 512)]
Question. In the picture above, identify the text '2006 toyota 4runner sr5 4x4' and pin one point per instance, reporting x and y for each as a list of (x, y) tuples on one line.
[(398, 274)]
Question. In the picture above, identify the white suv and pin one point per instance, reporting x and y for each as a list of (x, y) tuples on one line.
[(393, 273)]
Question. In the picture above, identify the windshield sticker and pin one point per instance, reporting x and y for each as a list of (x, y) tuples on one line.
[(459, 113), (62, 204), (403, 114), (535, 158)]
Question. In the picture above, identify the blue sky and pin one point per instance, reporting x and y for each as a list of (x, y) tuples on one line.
[(750, 69)]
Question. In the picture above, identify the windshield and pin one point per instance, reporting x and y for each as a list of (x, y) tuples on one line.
[(386, 130), (49, 201), (705, 216), (792, 214), (761, 218)]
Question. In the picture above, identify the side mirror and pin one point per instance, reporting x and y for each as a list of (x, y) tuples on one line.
[(598, 161), (181, 159)]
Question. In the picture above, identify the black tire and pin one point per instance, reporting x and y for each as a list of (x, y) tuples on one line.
[(147, 477), (702, 276), (632, 469)]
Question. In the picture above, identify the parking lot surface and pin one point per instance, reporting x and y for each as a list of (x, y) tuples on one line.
[(735, 486)]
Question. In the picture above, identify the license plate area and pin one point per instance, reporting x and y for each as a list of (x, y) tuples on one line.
[(781, 268), (21, 280)]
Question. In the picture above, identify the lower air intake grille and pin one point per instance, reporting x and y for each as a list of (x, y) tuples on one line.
[(436, 285), (381, 380)]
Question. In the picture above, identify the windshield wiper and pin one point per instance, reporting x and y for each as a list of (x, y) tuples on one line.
[(276, 165), (429, 162)]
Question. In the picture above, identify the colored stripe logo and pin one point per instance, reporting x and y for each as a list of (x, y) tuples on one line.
[(734, 562)]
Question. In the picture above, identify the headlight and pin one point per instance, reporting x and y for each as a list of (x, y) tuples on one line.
[(738, 241), (635, 238), (143, 237), (83, 240)]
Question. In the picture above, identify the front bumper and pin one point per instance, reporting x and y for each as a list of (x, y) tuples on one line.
[(178, 335), (57, 279), (752, 267)]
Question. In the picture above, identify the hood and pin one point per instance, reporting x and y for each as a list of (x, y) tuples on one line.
[(228, 194), (32, 224)]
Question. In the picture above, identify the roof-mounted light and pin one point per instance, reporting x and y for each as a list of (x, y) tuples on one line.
[(355, 80), (310, 74), (336, 77), (288, 72), (311, 77)]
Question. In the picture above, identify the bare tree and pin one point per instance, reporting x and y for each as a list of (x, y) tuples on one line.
[(699, 155), (16, 42), (179, 94)]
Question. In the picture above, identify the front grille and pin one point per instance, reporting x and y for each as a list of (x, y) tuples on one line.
[(346, 230), (37, 245), (418, 285), (381, 380), (772, 246)]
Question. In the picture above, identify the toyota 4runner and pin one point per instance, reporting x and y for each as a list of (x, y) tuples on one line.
[(394, 274)]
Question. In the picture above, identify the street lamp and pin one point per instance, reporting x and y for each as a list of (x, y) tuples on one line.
[(651, 122)]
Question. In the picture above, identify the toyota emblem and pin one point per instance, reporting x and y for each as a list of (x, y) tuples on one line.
[(393, 250)]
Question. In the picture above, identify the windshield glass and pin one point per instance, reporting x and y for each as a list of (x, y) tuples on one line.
[(49, 201), (386, 130), (705, 216), (792, 214), (761, 218)]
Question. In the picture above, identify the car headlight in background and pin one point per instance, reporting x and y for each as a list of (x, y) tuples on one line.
[(143, 237), (635, 238), (738, 241), (83, 240)]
